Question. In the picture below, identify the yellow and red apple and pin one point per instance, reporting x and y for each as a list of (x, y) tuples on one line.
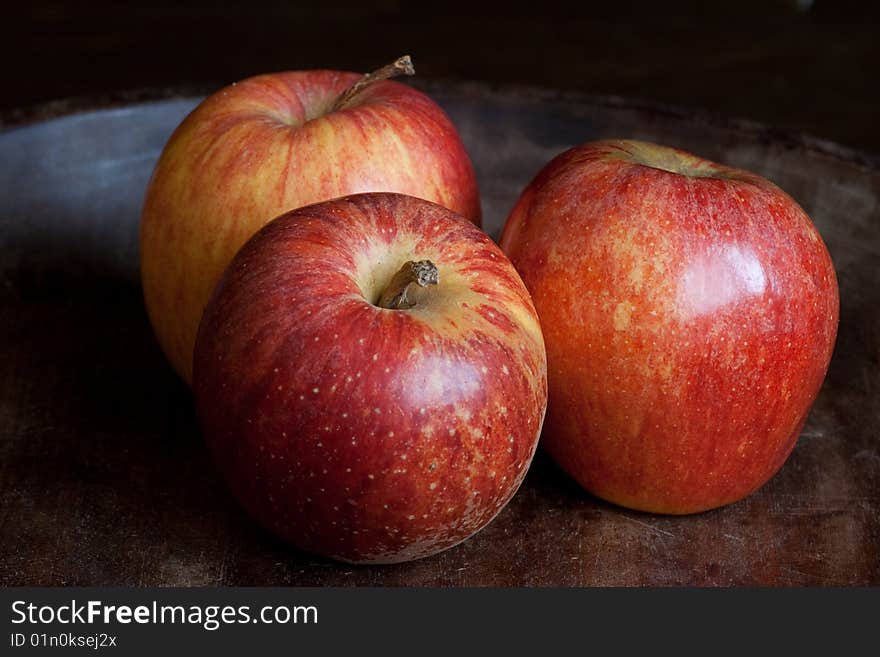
[(273, 143)]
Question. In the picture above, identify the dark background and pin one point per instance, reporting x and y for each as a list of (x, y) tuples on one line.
[(801, 67)]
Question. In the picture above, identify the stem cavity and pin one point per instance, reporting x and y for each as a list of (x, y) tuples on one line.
[(398, 294)]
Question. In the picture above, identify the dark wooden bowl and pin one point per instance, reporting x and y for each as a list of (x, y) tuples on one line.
[(103, 475)]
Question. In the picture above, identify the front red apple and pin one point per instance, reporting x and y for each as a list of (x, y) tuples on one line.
[(689, 311), (370, 376)]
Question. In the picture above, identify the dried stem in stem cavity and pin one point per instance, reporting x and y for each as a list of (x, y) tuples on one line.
[(398, 294), (401, 66)]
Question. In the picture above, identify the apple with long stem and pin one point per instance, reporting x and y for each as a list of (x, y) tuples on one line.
[(276, 142), (689, 310), (370, 377)]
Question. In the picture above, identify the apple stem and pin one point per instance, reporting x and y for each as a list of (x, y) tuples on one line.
[(421, 274), (400, 66)]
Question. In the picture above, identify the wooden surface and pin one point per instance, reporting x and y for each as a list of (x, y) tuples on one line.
[(103, 475)]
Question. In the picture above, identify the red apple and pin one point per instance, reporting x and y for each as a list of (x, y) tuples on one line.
[(689, 311), (370, 376), (273, 143)]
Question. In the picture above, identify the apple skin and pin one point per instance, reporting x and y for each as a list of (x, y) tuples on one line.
[(270, 144), (689, 311), (356, 432)]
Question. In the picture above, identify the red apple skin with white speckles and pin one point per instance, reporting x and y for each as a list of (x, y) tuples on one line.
[(357, 432), (690, 312), (270, 144)]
